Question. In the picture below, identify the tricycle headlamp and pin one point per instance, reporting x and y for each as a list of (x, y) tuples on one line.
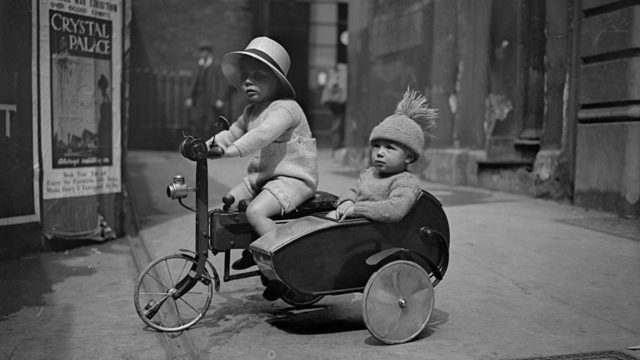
[(178, 189)]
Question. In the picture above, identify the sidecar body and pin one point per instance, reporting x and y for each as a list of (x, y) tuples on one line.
[(319, 255)]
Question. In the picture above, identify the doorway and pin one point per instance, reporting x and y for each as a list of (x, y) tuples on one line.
[(315, 35)]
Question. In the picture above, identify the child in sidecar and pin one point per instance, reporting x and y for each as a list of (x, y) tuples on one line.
[(386, 191), (394, 248)]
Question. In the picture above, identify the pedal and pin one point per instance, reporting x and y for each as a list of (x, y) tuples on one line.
[(151, 309)]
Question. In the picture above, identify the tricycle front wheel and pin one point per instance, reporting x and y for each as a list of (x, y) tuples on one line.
[(397, 302), (155, 297)]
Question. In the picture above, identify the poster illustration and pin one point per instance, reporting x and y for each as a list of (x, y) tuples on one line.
[(80, 47)]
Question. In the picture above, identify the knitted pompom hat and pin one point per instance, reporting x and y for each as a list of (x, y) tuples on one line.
[(408, 124)]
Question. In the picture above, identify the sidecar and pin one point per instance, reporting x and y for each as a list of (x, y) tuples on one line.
[(395, 265)]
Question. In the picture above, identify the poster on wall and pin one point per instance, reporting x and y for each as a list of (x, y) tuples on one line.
[(80, 74)]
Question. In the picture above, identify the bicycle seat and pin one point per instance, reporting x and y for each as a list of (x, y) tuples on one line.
[(321, 201)]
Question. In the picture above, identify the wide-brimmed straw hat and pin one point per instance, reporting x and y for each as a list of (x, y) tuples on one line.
[(266, 51)]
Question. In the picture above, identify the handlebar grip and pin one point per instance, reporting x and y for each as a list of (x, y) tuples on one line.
[(215, 152), (193, 148)]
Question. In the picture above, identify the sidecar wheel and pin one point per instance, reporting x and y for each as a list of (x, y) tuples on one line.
[(156, 284), (298, 299), (397, 302)]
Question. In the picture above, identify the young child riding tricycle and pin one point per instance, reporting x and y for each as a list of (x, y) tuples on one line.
[(273, 129)]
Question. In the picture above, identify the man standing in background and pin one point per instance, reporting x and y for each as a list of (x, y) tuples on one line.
[(208, 94), (334, 96)]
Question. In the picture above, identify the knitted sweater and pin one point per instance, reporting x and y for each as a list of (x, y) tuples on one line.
[(278, 135), (384, 198)]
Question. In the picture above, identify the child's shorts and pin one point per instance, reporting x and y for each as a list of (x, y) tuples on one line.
[(290, 192)]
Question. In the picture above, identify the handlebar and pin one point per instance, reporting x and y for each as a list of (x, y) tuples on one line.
[(195, 149)]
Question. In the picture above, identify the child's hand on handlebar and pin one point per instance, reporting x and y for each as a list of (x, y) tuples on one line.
[(210, 142), (215, 152), (226, 151)]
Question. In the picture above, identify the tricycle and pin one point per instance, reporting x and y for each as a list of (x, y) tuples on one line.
[(394, 265)]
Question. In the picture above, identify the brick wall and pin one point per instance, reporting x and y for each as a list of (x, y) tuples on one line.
[(166, 33)]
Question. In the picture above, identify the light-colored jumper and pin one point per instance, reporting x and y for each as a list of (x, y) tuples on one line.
[(278, 137), (380, 197)]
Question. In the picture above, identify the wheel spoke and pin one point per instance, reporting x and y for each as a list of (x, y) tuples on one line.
[(189, 305), (184, 266), (180, 321), (160, 313), (173, 283), (158, 280), (153, 293)]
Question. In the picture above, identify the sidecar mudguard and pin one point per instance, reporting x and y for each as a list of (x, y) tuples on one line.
[(398, 253)]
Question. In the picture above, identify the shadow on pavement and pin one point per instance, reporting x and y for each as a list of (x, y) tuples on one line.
[(319, 319), (33, 280)]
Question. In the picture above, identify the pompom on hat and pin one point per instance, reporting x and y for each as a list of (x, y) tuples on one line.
[(266, 51), (407, 126)]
